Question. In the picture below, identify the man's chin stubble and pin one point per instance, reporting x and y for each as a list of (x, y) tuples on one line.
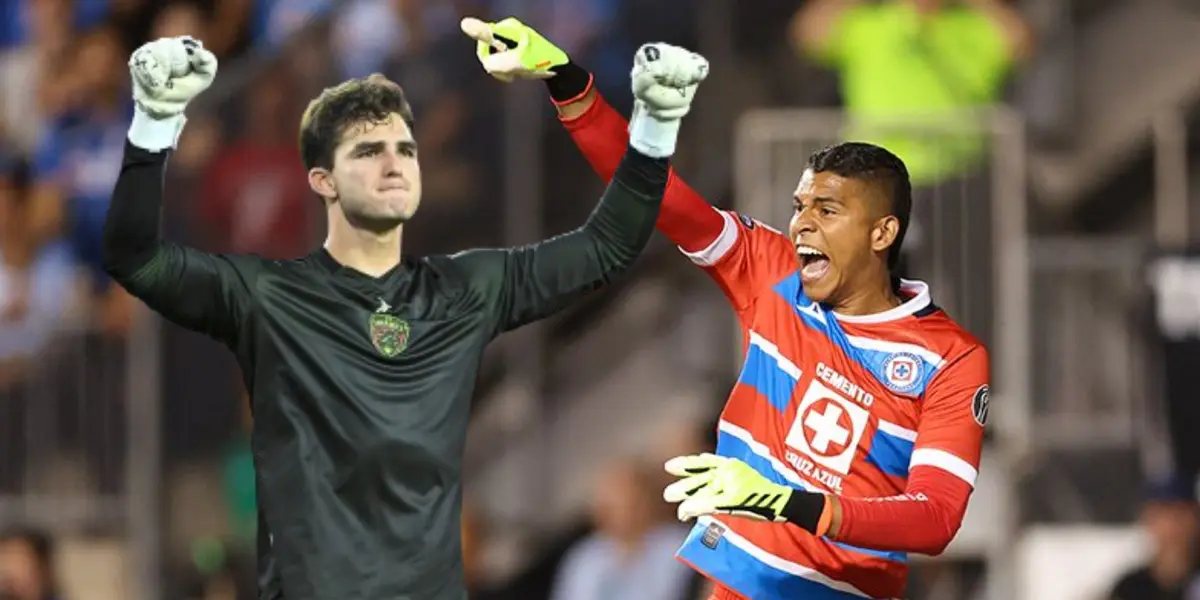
[(375, 224)]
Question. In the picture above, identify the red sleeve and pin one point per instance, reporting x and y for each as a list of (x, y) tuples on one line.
[(602, 134), (943, 468), (742, 255)]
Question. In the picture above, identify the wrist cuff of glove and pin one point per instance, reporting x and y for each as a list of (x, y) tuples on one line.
[(569, 84), (804, 509), (651, 136), (152, 134)]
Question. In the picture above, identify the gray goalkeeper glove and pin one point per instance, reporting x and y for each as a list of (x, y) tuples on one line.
[(664, 81), (167, 74)]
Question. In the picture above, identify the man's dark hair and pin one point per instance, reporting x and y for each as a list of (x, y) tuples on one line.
[(876, 166), (364, 100)]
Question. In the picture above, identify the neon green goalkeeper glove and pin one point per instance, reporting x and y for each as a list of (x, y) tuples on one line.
[(512, 50), (664, 77), (715, 485)]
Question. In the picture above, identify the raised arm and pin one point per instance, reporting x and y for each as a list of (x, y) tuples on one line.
[(532, 282), (815, 27), (203, 292), (601, 132), (540, 279)]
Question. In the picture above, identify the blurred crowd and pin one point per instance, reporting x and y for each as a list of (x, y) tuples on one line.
[(237, 185), (625, 548)]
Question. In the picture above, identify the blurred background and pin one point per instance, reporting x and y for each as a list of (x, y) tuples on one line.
[(1056, 218)]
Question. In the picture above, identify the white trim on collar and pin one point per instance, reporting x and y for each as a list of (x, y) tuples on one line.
[(919, 300)]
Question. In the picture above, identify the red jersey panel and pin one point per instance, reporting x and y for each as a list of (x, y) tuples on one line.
[(885, 411), (838, 404)]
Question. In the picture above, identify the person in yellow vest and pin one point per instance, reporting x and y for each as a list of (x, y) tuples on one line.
[(927, 62), (915, 58)]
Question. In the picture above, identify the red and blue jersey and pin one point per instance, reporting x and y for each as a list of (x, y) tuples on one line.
[(837, 404), (884, 411)]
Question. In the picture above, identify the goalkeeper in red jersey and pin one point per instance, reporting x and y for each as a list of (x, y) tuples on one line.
[(853, 434)]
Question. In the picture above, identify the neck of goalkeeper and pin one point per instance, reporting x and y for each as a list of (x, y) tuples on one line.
[(369, 252)]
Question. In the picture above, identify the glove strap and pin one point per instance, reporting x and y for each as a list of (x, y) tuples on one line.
[(650, 136), (155, 135), (804, 510), (570, 83)]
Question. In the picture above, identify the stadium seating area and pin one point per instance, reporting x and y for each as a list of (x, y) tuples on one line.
[(125, 440)]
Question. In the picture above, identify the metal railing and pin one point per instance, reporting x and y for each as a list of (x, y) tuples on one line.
[(81, 433)]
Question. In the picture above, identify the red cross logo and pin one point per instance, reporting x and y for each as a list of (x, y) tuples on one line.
[(827, 427)]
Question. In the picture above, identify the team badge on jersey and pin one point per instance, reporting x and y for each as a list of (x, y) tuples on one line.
[(903, 372), (979, 405), (389, 333), (751, 223)]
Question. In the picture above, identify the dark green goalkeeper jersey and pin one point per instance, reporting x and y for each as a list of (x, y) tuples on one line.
[(361, 385)]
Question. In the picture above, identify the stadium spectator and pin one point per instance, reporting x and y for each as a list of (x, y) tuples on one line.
[(591, 30), (35, 283), (367, 34), (38, 44), (226, 25), (911, 72), (916, 59), (678, 439), (631, 554), (34, 292), (1170, 519), (181, 18), (681, 439), (27, 566), (77, 163), (254, 197), (273, 22)]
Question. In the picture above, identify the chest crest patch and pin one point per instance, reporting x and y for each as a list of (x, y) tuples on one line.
[(389, 333)]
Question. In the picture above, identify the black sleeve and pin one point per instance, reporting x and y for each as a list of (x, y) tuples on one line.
[(204, 292), (532, 282)]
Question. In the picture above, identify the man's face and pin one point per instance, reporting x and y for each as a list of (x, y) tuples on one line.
[(837, 228), (376, 178)]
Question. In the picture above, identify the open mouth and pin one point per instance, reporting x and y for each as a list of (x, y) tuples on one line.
[(813, 263)]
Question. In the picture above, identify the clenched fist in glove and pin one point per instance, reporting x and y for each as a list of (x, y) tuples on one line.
[(664, 80), (167, 74)]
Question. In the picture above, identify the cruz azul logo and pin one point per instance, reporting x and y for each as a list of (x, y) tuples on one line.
[(826, 431)]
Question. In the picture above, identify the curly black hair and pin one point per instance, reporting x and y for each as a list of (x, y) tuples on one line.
[(877, 166), (369, 99)]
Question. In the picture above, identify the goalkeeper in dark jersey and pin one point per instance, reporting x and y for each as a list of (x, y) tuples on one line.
[(361, 361)]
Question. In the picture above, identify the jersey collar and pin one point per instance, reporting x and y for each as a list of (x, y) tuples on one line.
[(917, 293), (330, 264)]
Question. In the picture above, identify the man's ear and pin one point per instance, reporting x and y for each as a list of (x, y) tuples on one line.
[(883, 235), (321, 182)]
